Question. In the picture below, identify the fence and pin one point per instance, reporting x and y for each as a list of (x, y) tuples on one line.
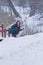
[(3, 31)]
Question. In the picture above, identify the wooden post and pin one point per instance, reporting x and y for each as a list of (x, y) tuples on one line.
[(5, 32), (2, 30)]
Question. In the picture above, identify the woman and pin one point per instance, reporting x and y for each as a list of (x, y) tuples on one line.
[(14, 30)]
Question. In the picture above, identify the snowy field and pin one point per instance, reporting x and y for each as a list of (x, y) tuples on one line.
[(27, 50)]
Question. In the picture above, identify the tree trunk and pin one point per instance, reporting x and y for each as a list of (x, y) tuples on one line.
[(14, 10)]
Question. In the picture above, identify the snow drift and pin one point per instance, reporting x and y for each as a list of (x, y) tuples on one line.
[(27, 50)]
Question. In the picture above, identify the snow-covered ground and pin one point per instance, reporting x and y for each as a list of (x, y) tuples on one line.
[(27, 50)]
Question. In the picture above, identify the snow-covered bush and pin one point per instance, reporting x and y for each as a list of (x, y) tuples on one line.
[(33, 25)]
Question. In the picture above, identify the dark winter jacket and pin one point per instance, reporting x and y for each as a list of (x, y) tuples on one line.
[(14, 30)]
